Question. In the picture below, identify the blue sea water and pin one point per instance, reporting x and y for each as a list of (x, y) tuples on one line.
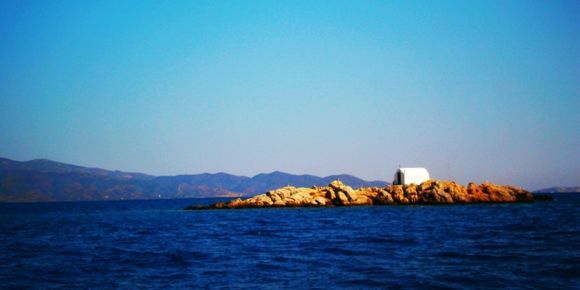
[(156, 244)]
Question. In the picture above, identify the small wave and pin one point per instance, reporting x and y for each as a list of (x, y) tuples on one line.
[(345, 251)]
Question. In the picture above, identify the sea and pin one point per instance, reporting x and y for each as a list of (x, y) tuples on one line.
[(155, 244)]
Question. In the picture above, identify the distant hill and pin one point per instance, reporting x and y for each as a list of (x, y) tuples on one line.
[(559, 189), (46, 180), (49, 166)]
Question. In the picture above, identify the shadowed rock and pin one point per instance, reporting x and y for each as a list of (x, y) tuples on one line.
[(340, 194)]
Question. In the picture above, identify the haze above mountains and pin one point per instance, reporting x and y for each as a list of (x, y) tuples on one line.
[(46, 180)]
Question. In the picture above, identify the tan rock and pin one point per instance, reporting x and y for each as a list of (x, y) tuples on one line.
[(476, 194), (339, 194), (384, 197), (321, 201), (410, 192), (337, 185), (341, 199), (329, 193), (398, 194)]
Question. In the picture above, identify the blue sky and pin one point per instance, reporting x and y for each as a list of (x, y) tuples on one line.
[(471, 90)]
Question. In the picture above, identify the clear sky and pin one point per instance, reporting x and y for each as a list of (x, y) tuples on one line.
[(470, 90)]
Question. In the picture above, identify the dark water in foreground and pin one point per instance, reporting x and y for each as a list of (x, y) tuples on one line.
[(155, 244)]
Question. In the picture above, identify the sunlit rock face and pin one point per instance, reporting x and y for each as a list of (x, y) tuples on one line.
[(340, 194)]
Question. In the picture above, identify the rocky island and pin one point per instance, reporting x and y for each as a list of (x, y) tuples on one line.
[(340, 194)]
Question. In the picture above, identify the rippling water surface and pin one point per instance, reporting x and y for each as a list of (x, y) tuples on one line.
[(156, 244)]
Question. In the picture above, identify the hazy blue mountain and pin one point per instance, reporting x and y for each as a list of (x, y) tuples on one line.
[(46, 180), (559, 189), (45, 165)]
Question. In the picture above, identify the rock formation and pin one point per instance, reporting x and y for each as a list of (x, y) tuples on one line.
[(340, 194)]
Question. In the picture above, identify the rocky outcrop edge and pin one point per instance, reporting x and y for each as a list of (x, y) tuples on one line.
[(340, 194)]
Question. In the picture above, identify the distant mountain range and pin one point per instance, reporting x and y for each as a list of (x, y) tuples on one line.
[(559, 189), (46, 180)]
